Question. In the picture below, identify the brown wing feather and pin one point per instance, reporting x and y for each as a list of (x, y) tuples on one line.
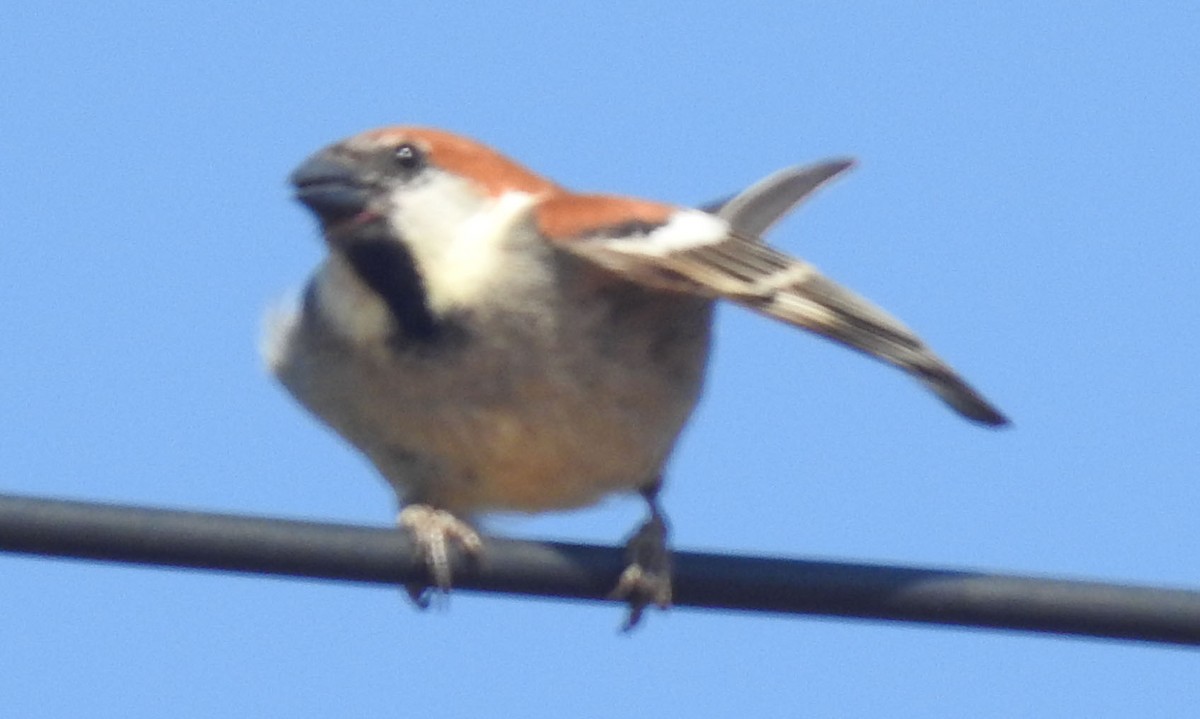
[(768, 281), (655, 245)]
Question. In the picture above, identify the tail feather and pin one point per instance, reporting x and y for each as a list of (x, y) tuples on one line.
[(756, 209)]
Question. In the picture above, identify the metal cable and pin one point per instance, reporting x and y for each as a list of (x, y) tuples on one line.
[(198, 540)]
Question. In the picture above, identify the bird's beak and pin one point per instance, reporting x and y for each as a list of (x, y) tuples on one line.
[(330, 188)]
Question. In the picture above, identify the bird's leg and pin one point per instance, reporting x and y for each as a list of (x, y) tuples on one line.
[(647, 579), (433, 530)]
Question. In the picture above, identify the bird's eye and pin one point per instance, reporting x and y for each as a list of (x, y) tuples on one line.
[(408, 156)]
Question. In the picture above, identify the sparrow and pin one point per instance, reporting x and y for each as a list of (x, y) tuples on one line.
[(493, 341)]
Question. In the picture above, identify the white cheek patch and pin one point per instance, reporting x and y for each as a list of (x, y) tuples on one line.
[(459, 239), (427, 217)]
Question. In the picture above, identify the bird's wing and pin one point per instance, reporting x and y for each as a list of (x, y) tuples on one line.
[(692, 251)]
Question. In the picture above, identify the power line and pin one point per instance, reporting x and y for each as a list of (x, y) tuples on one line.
[(257, 545)]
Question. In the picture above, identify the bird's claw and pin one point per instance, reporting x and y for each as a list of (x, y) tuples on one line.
[(433, 530), (646, 580)]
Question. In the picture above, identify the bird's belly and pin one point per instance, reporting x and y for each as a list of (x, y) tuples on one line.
[(521, 426), (555, 455)]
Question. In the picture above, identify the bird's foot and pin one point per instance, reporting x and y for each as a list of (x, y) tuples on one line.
[(647, 579), (434, 530)]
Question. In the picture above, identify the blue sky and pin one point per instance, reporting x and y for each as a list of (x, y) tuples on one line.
[(1027, 200)]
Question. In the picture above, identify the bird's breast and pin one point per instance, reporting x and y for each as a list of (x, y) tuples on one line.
[(559, 393)]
